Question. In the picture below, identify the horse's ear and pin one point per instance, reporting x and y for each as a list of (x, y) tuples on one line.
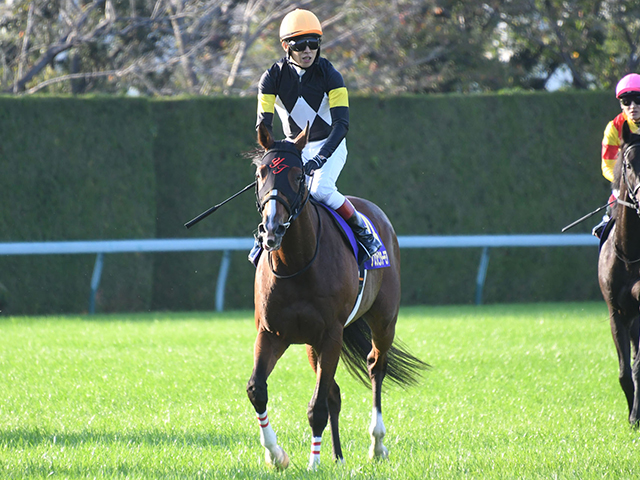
[(265, 139), (626, 132), (302, 138)]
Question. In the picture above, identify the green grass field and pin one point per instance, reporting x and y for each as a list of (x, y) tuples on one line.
[(516, 391)]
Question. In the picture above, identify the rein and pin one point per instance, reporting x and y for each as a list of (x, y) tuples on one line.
[(305, 268)]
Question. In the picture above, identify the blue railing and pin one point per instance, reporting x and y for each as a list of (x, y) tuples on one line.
[(226, 245)]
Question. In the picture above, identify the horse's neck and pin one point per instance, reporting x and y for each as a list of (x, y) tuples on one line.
[(299, 243), (627, 228)]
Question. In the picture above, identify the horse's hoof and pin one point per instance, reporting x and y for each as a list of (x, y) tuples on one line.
[(378, 452), (280, 460)]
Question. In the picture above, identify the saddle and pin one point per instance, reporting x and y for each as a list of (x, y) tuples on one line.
[(379, 260)]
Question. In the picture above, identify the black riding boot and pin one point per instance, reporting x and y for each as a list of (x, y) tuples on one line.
[(598, 229), (368, 241)]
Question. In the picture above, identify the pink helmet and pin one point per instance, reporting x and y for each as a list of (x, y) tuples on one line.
[(629, 83)]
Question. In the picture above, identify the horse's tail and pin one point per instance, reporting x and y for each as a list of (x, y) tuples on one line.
[(402, 368)]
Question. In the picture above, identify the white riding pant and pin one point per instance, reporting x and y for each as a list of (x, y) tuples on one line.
[(323, 183)]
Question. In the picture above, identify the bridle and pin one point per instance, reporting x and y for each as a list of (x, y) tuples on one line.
[(277, 183), (279, 160), (631, 193)]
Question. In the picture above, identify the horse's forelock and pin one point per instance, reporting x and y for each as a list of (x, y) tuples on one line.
[(257, 155)]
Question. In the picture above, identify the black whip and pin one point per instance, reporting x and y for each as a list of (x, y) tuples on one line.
[(581, 219), (208, 212)]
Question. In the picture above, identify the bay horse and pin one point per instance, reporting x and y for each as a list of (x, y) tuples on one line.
[(306, 285), (619, 270)]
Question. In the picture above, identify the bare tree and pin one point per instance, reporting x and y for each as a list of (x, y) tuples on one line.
[(221, 47)]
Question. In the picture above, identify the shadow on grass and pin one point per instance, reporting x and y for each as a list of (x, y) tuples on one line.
[(173, 455), (18, 438)]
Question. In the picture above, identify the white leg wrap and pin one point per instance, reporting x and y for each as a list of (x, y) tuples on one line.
[(314, 456), (274, 454), (377, 432)]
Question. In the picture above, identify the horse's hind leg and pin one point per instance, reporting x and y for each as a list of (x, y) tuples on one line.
[(621, 338), (267, 350), (377, 364)]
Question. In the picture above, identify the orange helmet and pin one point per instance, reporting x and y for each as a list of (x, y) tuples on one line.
[(299, 22)]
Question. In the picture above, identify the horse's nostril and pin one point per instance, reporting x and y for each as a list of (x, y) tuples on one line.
[(261, 228), (280, 230)]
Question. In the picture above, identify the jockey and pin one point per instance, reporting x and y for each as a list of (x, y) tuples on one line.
[(628, 92), (304, 87)]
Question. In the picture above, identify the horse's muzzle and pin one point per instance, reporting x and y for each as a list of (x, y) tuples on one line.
[(271, 235)]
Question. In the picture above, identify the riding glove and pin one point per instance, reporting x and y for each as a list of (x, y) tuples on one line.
[(315, 163)]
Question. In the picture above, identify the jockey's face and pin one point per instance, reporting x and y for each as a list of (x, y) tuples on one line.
[(304, 58), (631, 107)]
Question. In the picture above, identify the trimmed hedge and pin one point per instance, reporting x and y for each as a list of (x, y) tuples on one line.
[(75, 169), (495, 164), (88, 168), (199, 162)]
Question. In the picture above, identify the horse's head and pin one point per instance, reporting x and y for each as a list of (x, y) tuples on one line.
[(630, 165), (281, 189)]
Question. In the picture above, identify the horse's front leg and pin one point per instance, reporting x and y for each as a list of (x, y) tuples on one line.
[(634, 333), (621, 339), (267, 350), (326, 397), (335, 405)]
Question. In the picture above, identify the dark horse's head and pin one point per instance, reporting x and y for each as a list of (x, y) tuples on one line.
[(628, 167), (281, 189)]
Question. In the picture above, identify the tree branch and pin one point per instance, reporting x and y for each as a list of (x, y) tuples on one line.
[(66, 41), (85, 76), (25, 42)]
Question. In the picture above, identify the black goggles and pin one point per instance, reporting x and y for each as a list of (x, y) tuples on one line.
[(302, 44), (627, 101)]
